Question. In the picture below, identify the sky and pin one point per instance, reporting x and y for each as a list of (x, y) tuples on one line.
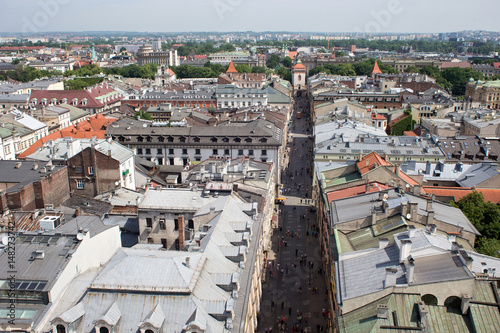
[(368, 16)]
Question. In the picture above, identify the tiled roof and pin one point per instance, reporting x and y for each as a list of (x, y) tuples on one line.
[(489, 194), (409, 133), (231, 68), (450, 64), (95, 126), (376, 116), (356, 190), (95, 96), (376, 69), (373, 159)]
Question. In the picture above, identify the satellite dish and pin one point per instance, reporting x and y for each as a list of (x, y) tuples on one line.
[(5, 240), (386, 196), (79, 236), (408, 216), (117, 183), (407, 185)]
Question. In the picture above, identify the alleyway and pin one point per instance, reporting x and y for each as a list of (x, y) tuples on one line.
[(294, 291)]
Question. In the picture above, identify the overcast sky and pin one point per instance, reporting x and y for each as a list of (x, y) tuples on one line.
[(245, 15)]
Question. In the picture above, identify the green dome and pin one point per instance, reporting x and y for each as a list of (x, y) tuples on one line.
[(471, 80)]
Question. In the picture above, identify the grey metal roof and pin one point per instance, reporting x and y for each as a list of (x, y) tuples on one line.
[(24, 175), (84, 222), (174, 199), (59, 151), (477, 174), (435, 171)]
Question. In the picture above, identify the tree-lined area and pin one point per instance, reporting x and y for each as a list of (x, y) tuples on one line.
[(485, 216)]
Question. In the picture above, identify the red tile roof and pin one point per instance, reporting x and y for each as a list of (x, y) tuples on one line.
[(376, 69), (496, 64), (94, 126), (292, 54), (299, 66), (369, 161), (376, 116), (356, 190), (231, 68), (409, 133), (200, 56), (450, 64), (489, 194), (90, 94)]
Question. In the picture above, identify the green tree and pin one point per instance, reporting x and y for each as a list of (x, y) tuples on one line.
[(244, 68), (123, 49), (227, 47), (458, 78), (284, 73), (258, 69), (319, 69), (488, 246), (287, 62), (143, 115), (15, 61), (412, 69), (273, 61)]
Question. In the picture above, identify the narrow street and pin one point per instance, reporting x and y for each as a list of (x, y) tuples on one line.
[(294, 291)]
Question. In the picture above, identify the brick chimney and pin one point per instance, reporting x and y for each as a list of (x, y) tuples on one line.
[(180, 224)]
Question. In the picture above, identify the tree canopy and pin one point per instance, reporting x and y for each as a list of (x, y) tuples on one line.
[(486, 218)]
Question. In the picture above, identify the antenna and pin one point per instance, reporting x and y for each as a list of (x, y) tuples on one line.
[(408, 216)]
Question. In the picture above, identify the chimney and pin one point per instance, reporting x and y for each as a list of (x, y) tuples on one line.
[(109, 153), (413, 210), (360, 156), (188, 262), (404, 250), (367, 162), (374, 217), (455, 247), (398, 169), (452, 238), (382, 243), (411, 231), (465, 303), (180, 225), (35, 166), (422, 310), (432, 228), (390, 277), (382, 311), (417, 189), (410, 269), (430, 217)]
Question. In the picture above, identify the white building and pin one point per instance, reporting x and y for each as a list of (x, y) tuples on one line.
[(230, 96)]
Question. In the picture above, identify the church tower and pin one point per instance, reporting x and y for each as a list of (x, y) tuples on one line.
[(299, 72)]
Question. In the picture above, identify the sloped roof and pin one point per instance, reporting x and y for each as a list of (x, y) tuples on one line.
[(489, 194), (298, 65), (478, 174), (376, 69), (371, 161), (92, 127), (231, 68), (356, 190)]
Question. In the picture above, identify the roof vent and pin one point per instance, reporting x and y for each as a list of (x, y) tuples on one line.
[(18, 165)]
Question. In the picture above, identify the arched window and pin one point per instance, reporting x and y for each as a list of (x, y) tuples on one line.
[(103, 330), (149, 331), (430, 299), (453, 301), (60, 329)]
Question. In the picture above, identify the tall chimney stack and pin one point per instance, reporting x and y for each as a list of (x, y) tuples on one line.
[(180, 224)]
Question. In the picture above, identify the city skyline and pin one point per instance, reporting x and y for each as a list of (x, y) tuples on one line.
[(392, 16)]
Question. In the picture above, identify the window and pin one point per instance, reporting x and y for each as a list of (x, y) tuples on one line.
[(214, 152), (171, 151), (264, 160), (184, 161), (150, 241), (182, 139), (264, 152), (79, 184), (226, 151), (60, 329), (164, 243), (162, 224), (149, 222), (148, 151), (103, 330), (139, 150), (176, 224), (171, 161), (177, 248), (184, 151), (160, 161), (91, 170), (250, 152), (240, 151), (159, 151), (190, 224), (78, 169), (197, 151), (262, 175)]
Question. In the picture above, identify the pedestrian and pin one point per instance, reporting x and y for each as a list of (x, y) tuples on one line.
[(296, 252)]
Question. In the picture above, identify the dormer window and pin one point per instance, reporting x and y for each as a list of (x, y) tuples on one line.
[(170, 139), (60, 329), (53, 101), (248, 140), (214, 139), (44, 101), (74, 101), (182, 139), (148, 139), (196, 139), (237, 140), (140, 139), (65, 100), (225, 140), (84, 101), (161, 139), (263, 140)]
